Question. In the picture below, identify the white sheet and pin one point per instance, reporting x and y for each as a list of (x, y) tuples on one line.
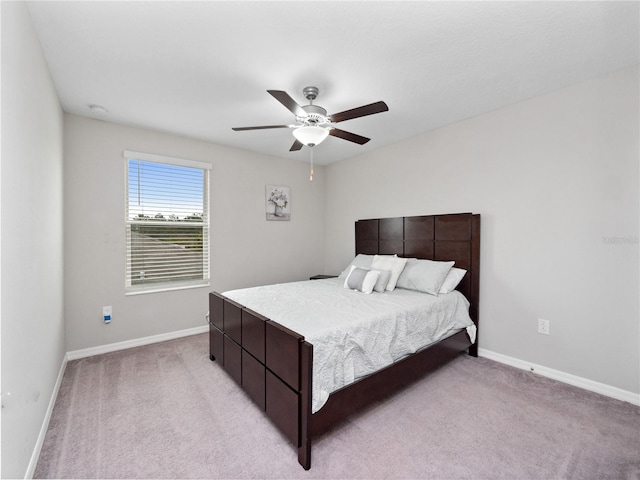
[(353, 334)]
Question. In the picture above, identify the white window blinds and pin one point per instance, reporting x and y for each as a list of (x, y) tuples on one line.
[(167, 223)]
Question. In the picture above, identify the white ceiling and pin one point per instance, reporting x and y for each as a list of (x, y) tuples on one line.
[(199, 68)]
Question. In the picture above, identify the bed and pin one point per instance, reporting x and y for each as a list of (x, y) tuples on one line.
[(274, 364)]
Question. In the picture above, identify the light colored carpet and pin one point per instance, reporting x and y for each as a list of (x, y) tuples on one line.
[(167, 411)]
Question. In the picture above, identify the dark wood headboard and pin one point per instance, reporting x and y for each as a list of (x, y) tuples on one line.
[(433, 237)]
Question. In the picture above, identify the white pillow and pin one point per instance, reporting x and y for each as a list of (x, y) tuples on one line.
[(389, 262), (361, 260), (453, 278), (383, 280), (424, 275), (361, 279)]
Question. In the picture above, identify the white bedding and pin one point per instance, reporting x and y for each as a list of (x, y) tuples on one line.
[(353, 334)]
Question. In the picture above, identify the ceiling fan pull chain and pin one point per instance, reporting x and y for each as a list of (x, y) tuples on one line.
[(311, 174)]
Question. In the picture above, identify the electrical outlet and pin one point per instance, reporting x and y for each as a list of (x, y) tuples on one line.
[(543, 326), (106, 314)]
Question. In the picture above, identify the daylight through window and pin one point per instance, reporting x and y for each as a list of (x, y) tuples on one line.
[(167, 223)]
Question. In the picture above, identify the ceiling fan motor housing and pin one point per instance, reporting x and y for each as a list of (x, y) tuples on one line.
[(316, 115)]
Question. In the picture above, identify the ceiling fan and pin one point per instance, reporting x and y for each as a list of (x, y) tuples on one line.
[(313, 124)]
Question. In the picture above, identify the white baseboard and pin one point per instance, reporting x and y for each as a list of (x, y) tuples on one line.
[(138, 342), (33, 462), (568, 378)]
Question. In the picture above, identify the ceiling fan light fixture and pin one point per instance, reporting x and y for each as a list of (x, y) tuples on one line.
[(311, 135)]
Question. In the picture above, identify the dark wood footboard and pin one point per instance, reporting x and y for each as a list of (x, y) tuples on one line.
[(270, 362)]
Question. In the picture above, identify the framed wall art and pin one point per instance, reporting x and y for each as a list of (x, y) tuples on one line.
[(278, 202)]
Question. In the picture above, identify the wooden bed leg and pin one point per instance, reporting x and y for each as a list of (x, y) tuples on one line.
[(304, 455), (306, 372), (473, 350)]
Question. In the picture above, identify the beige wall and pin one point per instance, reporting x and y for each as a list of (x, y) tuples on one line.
[(556, 181), (32, 252), (246, 250)]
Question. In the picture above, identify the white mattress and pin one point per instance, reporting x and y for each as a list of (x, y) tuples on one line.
[(353, 334)]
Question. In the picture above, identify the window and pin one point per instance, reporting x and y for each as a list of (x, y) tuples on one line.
[(167, 223)]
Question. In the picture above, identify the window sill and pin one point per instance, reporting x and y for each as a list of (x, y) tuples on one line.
[(167, 287)]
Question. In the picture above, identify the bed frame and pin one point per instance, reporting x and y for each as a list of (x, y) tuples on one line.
[(274, 364)]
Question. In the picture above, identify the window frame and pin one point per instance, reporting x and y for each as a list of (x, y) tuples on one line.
[(171, 285)]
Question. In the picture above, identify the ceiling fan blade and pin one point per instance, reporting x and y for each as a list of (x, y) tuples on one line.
[(297, 145), (363, 111), (264, 127), (287, 101), (352, 137)]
